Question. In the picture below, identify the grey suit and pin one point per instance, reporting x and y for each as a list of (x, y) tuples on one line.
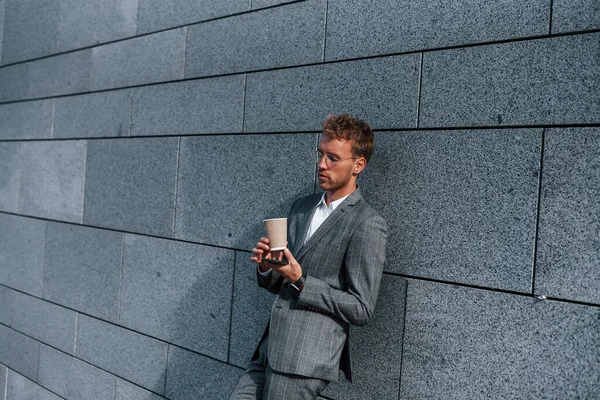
[(343, 263)]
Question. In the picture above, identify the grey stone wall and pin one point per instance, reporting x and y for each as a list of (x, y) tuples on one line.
[(143, 141)]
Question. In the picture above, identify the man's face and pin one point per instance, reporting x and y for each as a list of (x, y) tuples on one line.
[(338, 175)]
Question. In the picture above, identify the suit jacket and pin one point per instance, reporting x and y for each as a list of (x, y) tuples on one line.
[(343, 264)]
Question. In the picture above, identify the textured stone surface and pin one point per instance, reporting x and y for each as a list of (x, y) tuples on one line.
[(251, 309), (3, 369), (382, 91), (10, 166), (91, 23), (263, 178), (178, 292), (192, 376), (44, 321), (82, 269), (376, 349), (242, 43), (6, 298), (161, 14), (546, 81), (147, 59), (137, 358), (360, 28), (129, 391), (63, 74), (460, 205), (72, 378), (256, 4), (92, 115), (21, 388), (30, 29), (463, 343), (130, 184), (52, 179), (18, 352), (22, 253), (13, 82), (569, 234), (30, 120), (575, 15), (200, 106), (2, 5)]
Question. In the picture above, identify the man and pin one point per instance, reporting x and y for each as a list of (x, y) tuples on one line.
[(328, 279)]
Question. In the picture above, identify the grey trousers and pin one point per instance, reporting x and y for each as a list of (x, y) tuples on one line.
[(260, 381)]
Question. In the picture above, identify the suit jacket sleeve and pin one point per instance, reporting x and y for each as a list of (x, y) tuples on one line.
[(364, 260)]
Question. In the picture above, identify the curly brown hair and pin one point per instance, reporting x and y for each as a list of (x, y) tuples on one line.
[(357, 132)]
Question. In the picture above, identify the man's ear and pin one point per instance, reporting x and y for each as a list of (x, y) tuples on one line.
[(359, 165)]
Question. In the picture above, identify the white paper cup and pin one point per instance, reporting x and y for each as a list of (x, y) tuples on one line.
[(276, 233)]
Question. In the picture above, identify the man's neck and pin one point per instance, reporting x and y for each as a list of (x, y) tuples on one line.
[(338, 194)]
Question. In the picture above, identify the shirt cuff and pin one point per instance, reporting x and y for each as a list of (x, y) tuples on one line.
[(264, 274)]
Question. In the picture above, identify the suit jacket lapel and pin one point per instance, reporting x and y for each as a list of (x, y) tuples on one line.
[(304, 216)]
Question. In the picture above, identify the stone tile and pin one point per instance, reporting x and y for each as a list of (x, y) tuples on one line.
[(169, 292), (545, 81), (21, 388), (10, 167), (256, 4), (129, 391), (3, 369), (19, 352), (358, 28), (87, 24), (192, 376), (460, 205), (2, 5), (6, 300), (44, 321), (147, 59), (137, 358), (130, 184), (13, 82), (154, 15), (83, 269), (22, 253), (72, 378), (568, 241), (52, 179), (376, 349), (63, 74), (29, 120), (30, 29), (464, 343), (212, 105), (575, 15), (265, 175), (276, 37), (93, 115), (251, 310), (299, 99)]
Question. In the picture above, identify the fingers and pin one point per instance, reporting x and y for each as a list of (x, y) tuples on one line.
[(289, 256)]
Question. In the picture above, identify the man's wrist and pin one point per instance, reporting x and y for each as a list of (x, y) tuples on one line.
[(298, 285)]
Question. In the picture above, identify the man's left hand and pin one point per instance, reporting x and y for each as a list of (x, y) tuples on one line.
[(292, 271)]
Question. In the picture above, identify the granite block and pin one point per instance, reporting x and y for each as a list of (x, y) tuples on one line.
[(6, 300), (43, 321), (83, 269), (63, 74), (229, 212), (545, 81), (29, 120), (73, 379), (277, 37), (568, 241), (201, 106), (129, 391), (93, 115), (154, 15), (460, 205), (30, 29), (3, 369), (52, 179), (358, 28), (376, 349), (300, 98), (92, 23), (465, 343), (192, 376), (137, 358), (251, 310), (19, 352), (146, 59), (256, 4), (22, 253), (10, 167), (2, 4), (575, 15), (13, 82), (130, 184), (20, 388), (169, 292)]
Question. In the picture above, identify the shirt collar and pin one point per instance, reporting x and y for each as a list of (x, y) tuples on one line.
[(333, 205)]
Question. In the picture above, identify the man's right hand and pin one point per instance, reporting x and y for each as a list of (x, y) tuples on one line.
[(260, 251)]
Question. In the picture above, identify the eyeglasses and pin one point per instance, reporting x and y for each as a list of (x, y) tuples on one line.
[(330, 159)]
